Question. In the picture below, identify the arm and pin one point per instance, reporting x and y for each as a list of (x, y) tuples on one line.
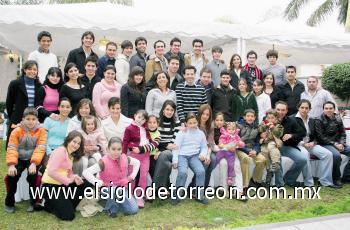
[(133, 62), (149, 70), (96, 100), (203, 145), (278, 131), (102, 142), (178, 142), (47, 126), (126, 140), (321, 137), (71, 57), (63, 91), (89, 173), (135, 167), (119, 66), (124, 97), (12, 148), (342, 138), (179, 99), (41, 98), (10, 99), (54, 169), (39, 151), (204, 97), (153, 144), (150, 102)]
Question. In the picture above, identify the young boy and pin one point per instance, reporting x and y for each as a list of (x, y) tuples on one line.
[(217, 65), (90, 79), (26, 149), (207, 83)]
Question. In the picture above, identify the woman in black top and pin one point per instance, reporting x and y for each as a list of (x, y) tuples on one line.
[(237, 72), (73, 89), (271, 89), (133, 93)]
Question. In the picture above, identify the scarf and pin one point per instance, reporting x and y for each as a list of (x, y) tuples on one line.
[(256, 70)]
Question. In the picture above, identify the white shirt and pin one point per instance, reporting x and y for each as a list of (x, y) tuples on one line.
[(264, 104), (321, 96), (45, 61)]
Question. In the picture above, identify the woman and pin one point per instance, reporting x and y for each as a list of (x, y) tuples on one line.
[(133, 93), (263, 100), (73, 89), (271, 89), (244, 99), (22, 93), (49, 95), (104, 90), (59, 176), (168, 128), (156, 97), (115, 124), (309, 146), (237, 72)]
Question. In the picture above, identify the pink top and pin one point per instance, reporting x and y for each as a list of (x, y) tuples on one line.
[(227, 138), (97, 137), (101, 94), (51, 99), (115, 171)]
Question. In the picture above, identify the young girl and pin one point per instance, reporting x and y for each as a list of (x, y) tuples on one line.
[(153, 124), (219, 122), (113, 167), (95, 142), (229, 139), (139, 143), (191, 150), (263, 100)]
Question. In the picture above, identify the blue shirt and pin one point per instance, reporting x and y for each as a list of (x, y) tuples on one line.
[(56, 132)]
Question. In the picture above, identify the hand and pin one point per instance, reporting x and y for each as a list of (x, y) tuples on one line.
[(252, 153), (78, 180), (207, 161), (286, 137), (55, 116), (171, 147), (183, 128), (175, 165), (156, 156), (340, 147), (130, 179), (221, 146), (135, 150), (12, 171), (232, 149), (89, 148), (201, 157), (32, 169), (263, 135)]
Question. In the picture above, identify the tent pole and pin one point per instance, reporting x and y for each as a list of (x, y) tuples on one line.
[(243, 50), (239, 46), (20, 62)]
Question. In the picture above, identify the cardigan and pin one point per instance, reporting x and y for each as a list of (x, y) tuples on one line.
[(132, 100), (240, 104), (74, 95), (155, 100), (112, 130), (78, 57), (56, 132)]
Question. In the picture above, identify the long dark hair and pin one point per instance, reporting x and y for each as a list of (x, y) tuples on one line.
[(66, 69), (232, 68), (152, 83), (52, 71), (131, 81), (162, 117), (27, 65), (208, 124), (80, 152), (85, 101)]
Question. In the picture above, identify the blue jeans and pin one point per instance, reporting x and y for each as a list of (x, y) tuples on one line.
[(197, 168), (208, 169), (325, 164), (128, 207), (337, 162)]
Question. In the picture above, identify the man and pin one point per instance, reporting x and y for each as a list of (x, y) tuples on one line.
[(189, 95), (292, 135), (222, 96), (122, 62), (90, 78), (79, 55), (317, 96), (173, 67), (207, 83), (107, 59), (277, 70), (251, 67), (157, 62), (197, 57), (216, 65), (175, 45), (291, 90), (140, 58), (43, 56)]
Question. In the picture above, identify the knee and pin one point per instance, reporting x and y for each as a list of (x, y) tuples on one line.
[(182, 173), (200, 171), (260, 160), (132, 210), (302, 161), (245, 160)]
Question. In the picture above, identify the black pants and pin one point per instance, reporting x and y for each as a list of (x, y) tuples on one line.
[(12, 183), (152, 166), (9, 131)]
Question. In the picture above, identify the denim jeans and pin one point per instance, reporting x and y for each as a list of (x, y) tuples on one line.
[(128, 207), (337, 162)]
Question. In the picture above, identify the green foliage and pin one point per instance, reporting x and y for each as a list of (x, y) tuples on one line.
[(336, 79), (2, 106)]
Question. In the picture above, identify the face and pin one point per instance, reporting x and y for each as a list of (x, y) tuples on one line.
[(272, 60), (268, 80), (114, 110), (127, 51), (90, 68), (206, 78), (242, 86), (115, 150), (252, 59), (189, 76), (74, 145), (312, 84), (281, 110), (205, 116), (271, 119), (291, 74), (152, 123), (73, 73), (231, 129), (192, 123), (225, 80), (141, 46), (175, 47), (249, 118), (304, 109), (54, 79), (173, 66), (139, 119), (236, 61), (31, 71), (197, 48), (64, 108), (257, 88), (138, 78), (90, 125), (84, 110), (30, 121), (162, 81), (328, 110), (88, 41), (45, 43), (111, 51), (219, 121), (109, 75), (216, 55), (168, 111), (159, 49)]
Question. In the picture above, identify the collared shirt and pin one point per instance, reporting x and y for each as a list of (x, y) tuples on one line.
[(306, 139), (198, 63), (317, 100), (43, 51)]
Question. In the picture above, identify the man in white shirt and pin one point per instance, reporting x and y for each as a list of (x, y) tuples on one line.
[(122, 62), (197, 57)]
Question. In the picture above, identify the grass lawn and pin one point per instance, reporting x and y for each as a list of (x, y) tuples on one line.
[(219, 214)]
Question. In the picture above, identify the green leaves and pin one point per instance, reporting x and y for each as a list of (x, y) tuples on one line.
[(336, 79)]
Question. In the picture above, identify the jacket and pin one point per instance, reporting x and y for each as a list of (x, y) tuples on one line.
[(123, 68), (78, 57), (154, 65), (96, 138), (330, 131), (181, 56), (312, 128), (132, 100), (291, 126), (249, 135), (188, 60), (243, 74), (240, 104), (221, 101), (102, 63), (291, 96), (138, 60), (90, 84)]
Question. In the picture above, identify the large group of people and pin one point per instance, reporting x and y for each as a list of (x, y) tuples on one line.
[(116, 119)]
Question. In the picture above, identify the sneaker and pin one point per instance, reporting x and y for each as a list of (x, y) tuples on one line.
[(140, 203), (30, 208), (9, 209), (230, 181), (203, 201)]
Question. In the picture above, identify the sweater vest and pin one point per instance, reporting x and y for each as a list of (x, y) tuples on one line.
[(115, 172)]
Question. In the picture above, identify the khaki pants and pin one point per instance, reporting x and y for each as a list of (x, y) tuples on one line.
[(271, 153), (260, 164)]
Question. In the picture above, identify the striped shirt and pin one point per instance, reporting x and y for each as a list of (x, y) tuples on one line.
[(30, 87), (167, 133), (189, 98)]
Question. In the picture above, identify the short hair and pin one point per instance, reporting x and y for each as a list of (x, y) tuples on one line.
[(44, 34), (225, 72), (110, 67), (113, 101), (153, 116), (272, 112), (197, 40), (87, 33), (174, 57), (143, 113), (28, 64), (175, 39), (189, 67), (314, 77), (30, 111), (90, 59), (281, 103), (272, 53), (112, 44), (304, 101), (84, 121), (252, 52), (249, 111), (139, 39), (125, 44), (219, 114), (64, 99), (80, 151), (155, 43), (190, 116), (291, 67), (329, 103), (205, 70), (114, 140), (216, 49)]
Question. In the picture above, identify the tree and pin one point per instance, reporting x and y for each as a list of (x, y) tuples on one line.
[(292, 11)]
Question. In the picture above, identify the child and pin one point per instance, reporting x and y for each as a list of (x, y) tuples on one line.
[(95, 143), (26, 149), (271, 143), (113, 167), (191, 150), (229, 139), (153, 124), (219, 122), (138, 141)]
